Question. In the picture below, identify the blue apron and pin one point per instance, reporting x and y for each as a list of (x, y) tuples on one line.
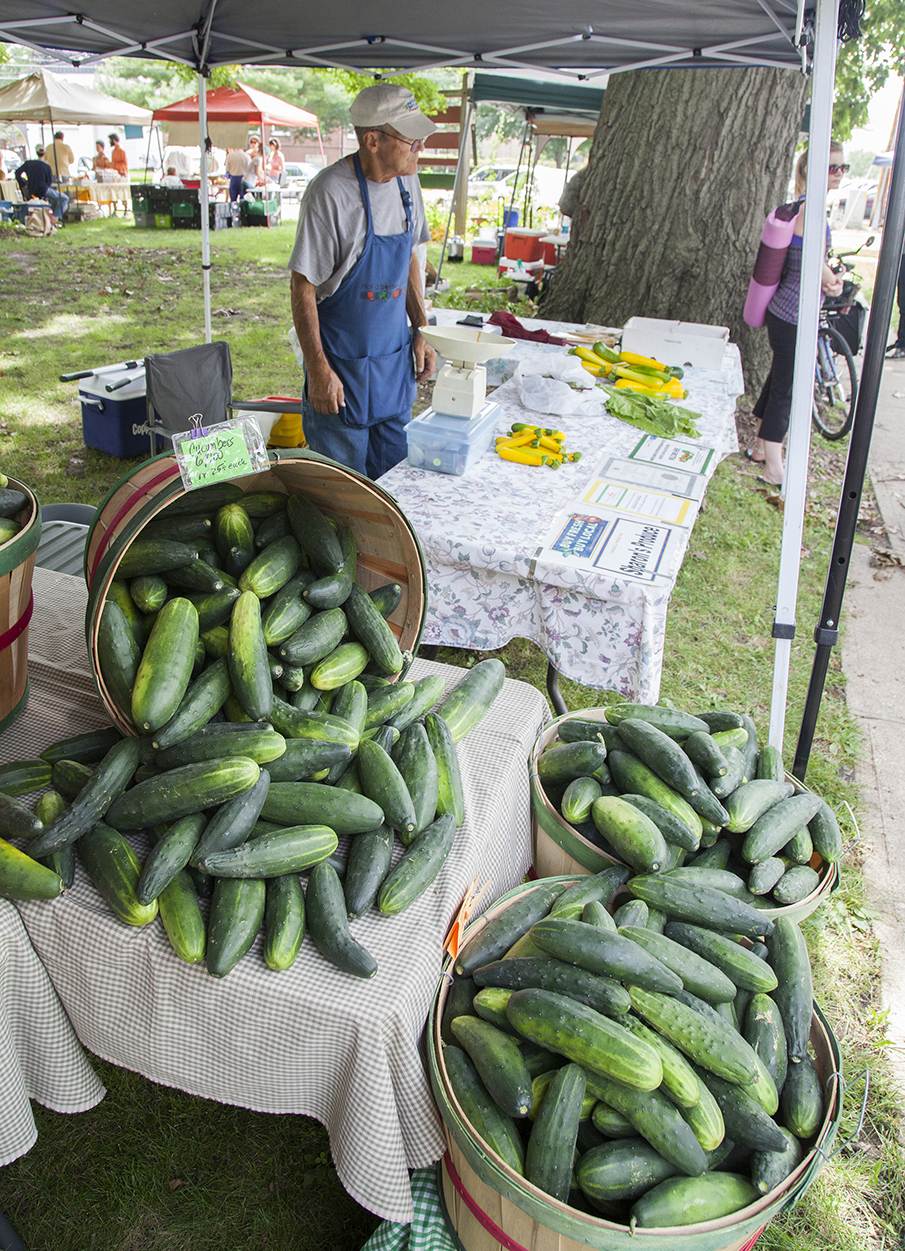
[(363, 324)]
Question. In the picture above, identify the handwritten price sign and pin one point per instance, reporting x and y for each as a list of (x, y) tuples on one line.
[(209, 454)]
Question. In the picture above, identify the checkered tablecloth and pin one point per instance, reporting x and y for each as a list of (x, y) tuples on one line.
[(312, 1040), (40, 1056), (428, 1229)]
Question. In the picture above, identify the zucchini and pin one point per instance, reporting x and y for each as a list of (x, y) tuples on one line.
[(701, 905), (102, 789), (236, 912), (801, 1102), (232, 823), (87, 748), (711, 1043), (467, 704), (200, 704), (617, 1172), (795, 884), (604, 952), (370, 857), (688, 1201), (328, 924), (450, 791), (794, 996), (415, 761), (289, 850), (765, 1034), (418, 868), (746, 1121), (499, 1063), (492, 939), (148, 556), (747, 804), (773, 830), (234, 537), (633, 776), (182, 920), (825, 833), (118, 655), (149, 594), (114, 870), (272, 568), (657, 1121), (551, 1145), (491, 1126), (740, 965), (284, 922), (633, 835), (372, 630), (340, 666), (603, 994), (182, 791), (670, 721), (599, 887), (169, 856), (426, 693), (248, 659), (386, 702), (311, 803), (315, 638), (770, 1169), (22, 877)]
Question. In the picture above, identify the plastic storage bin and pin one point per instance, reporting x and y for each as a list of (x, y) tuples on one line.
[(108, 418), (450, 444), (484, 252)]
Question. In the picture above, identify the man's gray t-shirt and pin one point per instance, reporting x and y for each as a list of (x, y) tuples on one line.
[(331, 230)]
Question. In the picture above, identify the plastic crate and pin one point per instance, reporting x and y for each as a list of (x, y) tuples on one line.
[(184, 208), (447, 444), (162, 221), (143, 219)]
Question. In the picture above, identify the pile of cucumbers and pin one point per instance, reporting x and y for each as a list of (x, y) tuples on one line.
[(657, 788), (12, 503), (275, 735), (654, 1075)]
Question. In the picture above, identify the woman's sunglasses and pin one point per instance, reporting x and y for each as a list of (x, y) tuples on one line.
[(839, 169)]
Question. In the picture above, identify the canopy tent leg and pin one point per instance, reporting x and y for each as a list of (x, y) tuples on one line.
[(827, 631), (203, 195), (507, 216), (461, 173), (148, 153), (813, 251)]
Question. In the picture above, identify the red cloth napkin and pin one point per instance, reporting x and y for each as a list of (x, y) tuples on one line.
[(513, 329)]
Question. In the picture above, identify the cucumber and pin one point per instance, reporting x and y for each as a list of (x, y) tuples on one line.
[(712, 1044), (332, 590), (268, 529), (774, 829), (751, 750), (22, 877), (450, 791), (148, 556), (677, 725), (340, 666), (740, 965), (180, 792), (726, 785), (618, 1172), (169, 856), (459, 1000), (684, 1201), (705, 1119), (594, 913), (328, 924), (105, 785), (598, 887), (657, 1120), (764, 876), (551, 1145), (48, 807), (387, 597), (604, 952), (747, 804), (714, 857), (17, 820), (415, 761), (371, 629), (495, 937), (203, 499), (801, 1102), (609, 1123), (800, 847), (386, 702), (113, 868), (149, 593), (562, 762), (234, 538), (498, 1061), (316, 536), (311, 803), (765, 1034), (87, 748), (69, 777), (701, 905), (382, 782), (735, 737), (661, 754), (248, 659), (746, 1121), (320, 727), (303, 757), (717, 879), (770, 765), (284, 922), (182, 919), (233, 822), (673, 830), (770, 1168), (200, 704), (315, 638), (704, 751), (418, 868), (633, 776), (213, 608), (289, 850), (491, 1126), (587, 1037), (467, 704), (165, 669), (255, 740), (426, 693), (11, 502), (370, 856), (633, 835), (633, 914), (272, 568), (118, 655), (540, 1083), (234, 919), (216, 642), (603, 994), (197, 575), (825, 833), (490, 1005), (794, 996), (795, 884), (578, 799), (721, 719), (680, 1082)]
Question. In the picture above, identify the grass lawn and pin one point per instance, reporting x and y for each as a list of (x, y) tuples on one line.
[(154, 1170)]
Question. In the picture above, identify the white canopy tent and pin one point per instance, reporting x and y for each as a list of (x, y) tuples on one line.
[(48, 98), (579, 40)]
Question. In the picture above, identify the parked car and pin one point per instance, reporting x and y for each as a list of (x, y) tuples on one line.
[(296, 176)]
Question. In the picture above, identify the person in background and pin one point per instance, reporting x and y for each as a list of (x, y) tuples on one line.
[(118, 157), (775, 400), (172, 179), (60, 157), (255, 154), (897, 351), (356, 289), (101, 159), (237, 171), (35, 179), (276, 164)]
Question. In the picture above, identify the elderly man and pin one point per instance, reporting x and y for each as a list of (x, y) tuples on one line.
[(60, 157), (357, 294), (35, 179)]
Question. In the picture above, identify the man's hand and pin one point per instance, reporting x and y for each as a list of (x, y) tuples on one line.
[(425, 357), (831, 282), (325, 391)]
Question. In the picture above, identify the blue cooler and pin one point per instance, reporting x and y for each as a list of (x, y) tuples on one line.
[(108, 417)]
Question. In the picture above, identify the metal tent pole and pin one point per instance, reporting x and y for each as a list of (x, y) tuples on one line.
[(507, 216), (461, 174), (813, 250), (827, 631), (205, 213)]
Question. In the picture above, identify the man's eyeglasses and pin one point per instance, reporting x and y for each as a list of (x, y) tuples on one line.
[(839, 169), (414, 145)]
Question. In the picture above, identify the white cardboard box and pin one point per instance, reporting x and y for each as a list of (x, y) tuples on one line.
[(676, 342)]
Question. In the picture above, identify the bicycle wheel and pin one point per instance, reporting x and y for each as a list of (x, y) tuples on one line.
[(835, 385)]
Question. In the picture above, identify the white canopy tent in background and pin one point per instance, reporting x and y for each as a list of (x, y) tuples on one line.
[(580, 40), (46, 97)]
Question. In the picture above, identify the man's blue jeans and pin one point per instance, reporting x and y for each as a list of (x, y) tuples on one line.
[(58, 201), (371, 450)]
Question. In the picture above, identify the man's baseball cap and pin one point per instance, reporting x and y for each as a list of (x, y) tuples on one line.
[(389, 105)]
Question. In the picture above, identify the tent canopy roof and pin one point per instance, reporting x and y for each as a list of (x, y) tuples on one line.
[(567, 35), (238, 104), (43, 97), (548, 92)]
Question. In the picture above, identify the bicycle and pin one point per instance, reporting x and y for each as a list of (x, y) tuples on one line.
[(838, 339)]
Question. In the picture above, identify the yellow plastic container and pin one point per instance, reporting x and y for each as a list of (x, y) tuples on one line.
[(287, 432)]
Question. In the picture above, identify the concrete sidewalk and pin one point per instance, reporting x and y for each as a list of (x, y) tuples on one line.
[(873, 652)]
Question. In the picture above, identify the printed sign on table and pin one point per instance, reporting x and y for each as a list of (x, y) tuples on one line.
[(612, 543), (676, 453), (638, 501), (690, 486)]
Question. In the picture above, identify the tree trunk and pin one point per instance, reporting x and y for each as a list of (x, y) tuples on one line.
[(683, 169)]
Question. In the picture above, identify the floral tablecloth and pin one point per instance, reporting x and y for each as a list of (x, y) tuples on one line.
[(483, 535)]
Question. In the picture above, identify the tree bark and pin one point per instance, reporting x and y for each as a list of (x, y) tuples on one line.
[(685, 165)]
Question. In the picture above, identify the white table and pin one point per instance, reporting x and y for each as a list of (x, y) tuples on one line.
[(484, 537), (312, 1040)]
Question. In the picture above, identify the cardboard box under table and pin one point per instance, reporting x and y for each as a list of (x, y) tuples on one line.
[(312, 1041)]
